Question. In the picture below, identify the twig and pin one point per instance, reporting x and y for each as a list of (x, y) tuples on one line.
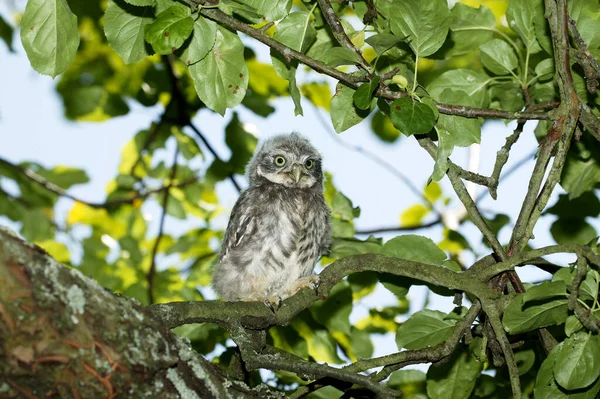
[(214, 153), (338, 31), (590, 121), (184, 117), (509, 172), (354, 81), (373, 157), (161, 226), (502, 158), (399, 228), (587, 61), (585, 316)]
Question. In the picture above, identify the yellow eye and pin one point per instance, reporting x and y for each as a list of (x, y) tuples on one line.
[(279, 160), (309, 164)]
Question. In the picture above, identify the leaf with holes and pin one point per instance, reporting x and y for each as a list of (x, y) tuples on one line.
[(170, 29), (50, 36)]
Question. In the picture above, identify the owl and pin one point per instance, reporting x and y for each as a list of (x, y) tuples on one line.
[(278, 227)]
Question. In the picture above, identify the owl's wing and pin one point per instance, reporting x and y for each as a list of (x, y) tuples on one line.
[(241, 224)]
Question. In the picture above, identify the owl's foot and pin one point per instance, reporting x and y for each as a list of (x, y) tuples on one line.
[(274, 303), (313, 282)]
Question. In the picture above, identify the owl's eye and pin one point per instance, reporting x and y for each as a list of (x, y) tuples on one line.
[(279, 160), (309, 163)]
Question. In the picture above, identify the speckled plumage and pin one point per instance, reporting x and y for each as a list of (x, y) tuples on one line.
[(278, 227)]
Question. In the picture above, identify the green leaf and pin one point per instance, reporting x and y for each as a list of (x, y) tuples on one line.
[(470, 27), (462, 131), (415, 248), (175, 208), (587, 17), (340, 56), (545, 290), (124, 27), (272, 10), (471, 82), (364, 94), (141, 2), (296, 31), (382, 42), (498, 56), (519, 318), (454, 379), (6, 33), (201, 42), (170, 29), (412, 117), (544, 70), (342, 247), (424, 328), (583, 206), (445, 147), (547, 388), (412, 381), (581, 172), (572, 325), (423, 24), (572, 231), (344, 114), (295, 92), (221, 78), (241, 143), (36, 226), (383, 128), (240, 8), (334, 313), (520, 15), (577, 363), (50, 36), (525, 360)]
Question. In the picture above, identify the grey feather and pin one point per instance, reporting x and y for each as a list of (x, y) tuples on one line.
[(279, 226)]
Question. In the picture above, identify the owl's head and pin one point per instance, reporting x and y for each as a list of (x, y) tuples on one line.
[(286, 159)]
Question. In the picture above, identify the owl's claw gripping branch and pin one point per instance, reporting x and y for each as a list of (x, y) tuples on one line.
[(274, 303)]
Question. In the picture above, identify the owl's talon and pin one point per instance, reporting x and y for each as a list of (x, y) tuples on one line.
[(274, 303), (315, 283)]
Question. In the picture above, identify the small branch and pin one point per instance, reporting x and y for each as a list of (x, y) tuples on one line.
[(184, 119), (502, 158), (161, 226), (587, 61), (375, 158), (338, 31), (276, 359), (509, 172), (462, 193), (585, 316), (399, 228), (354, 81), (590, 121), (53, 188), (198, 133)]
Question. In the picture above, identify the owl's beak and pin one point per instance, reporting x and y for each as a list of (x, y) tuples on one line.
[(297, 172)]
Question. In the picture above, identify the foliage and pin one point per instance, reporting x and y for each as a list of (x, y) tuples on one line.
[(410, 67)]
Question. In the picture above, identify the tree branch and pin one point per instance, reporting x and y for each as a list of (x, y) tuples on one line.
[(338, 31), (354, 81), (587, 61), (53, 188)]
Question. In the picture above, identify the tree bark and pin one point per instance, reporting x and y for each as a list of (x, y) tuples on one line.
[(64, 336)]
